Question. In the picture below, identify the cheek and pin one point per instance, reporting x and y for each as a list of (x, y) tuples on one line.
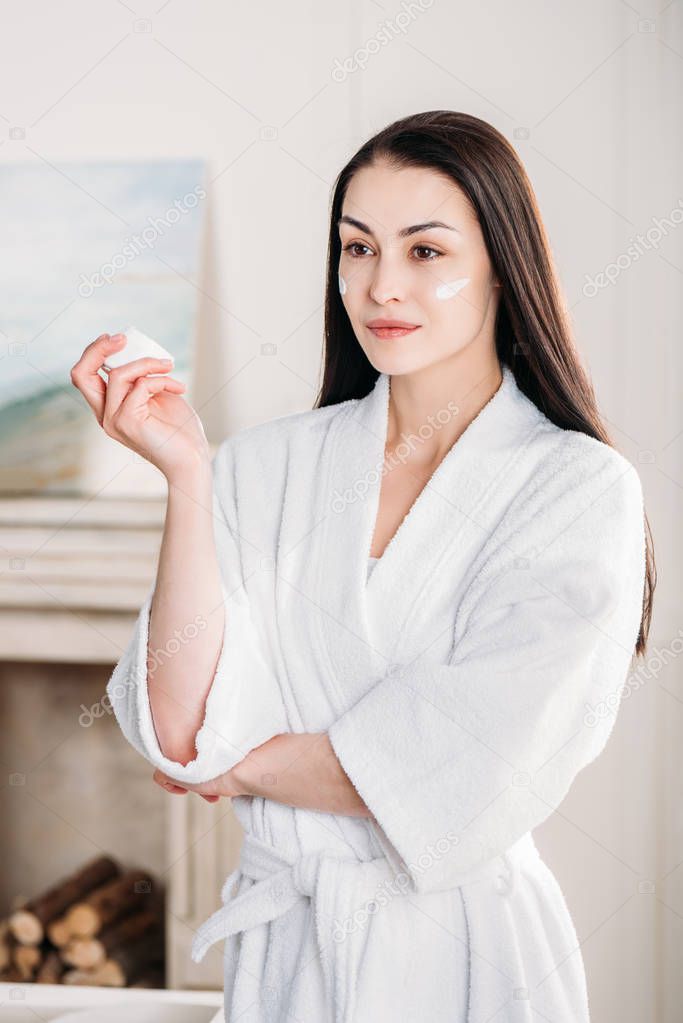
[(449, 289), (446, 293), (455, 304), (352, 283)]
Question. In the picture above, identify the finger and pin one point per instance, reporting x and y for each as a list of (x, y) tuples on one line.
[(166, 783), (134, 406), (122, 378), (175, 790), (85, 376), (145, 388)]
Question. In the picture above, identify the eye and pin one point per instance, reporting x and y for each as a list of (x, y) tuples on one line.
[(354, 245), (427, 248)]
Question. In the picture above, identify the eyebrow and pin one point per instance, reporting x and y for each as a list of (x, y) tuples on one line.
[(404, 232)]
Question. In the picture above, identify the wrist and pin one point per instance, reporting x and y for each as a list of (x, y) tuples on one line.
[(245, 775), (194, 472), (273, 768)]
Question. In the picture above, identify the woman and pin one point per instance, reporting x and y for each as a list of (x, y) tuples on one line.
[(392, 612)]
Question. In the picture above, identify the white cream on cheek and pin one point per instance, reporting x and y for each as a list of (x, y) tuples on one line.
[(451, 289), (342, 285)]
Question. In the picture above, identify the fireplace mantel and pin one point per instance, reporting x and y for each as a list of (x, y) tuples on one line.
[(75, 571)]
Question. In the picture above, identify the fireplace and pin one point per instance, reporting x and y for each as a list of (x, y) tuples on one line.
[(75, 575)]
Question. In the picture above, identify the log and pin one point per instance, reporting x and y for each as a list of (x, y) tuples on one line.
[(51, 969), (27, 923), (108, 974), (58, 932), (134, 958), (6, 941), (155, 978), (130, 930), (11, 975), (27, 958), (109, 903), (88, 953), (84, 953), (99, 977)]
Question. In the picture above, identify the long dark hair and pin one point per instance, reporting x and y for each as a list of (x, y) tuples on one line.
[(532, 331)]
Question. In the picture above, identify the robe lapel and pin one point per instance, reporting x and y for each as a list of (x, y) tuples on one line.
[(352, 456), (451, 519), (368, 623)]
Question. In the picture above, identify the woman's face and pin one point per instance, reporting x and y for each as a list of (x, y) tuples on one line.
[(437, 278)]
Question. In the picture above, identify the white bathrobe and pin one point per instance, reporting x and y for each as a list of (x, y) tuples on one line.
[(457, 681)]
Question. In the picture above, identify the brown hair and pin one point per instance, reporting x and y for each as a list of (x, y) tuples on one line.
[(532, 331)]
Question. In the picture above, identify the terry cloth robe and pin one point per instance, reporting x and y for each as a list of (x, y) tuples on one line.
[(457, 681)]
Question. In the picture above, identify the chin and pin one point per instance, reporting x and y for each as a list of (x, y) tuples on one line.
[(393, 362)]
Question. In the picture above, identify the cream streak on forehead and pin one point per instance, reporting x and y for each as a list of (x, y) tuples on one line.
[(451, 289)]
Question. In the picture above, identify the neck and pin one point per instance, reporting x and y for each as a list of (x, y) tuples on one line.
[(430, 409)]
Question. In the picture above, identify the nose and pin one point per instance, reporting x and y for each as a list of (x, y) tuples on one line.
[(387, 281)]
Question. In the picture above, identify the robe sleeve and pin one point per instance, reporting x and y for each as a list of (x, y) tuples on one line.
[(458, 761), (244, 705)]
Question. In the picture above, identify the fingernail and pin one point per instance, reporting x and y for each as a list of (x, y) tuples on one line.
[(167, 362)]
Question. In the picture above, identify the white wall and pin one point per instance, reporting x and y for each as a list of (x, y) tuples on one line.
[(598, 93)]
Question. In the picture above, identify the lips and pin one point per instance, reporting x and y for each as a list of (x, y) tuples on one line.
[(387, 329), (390, 323)]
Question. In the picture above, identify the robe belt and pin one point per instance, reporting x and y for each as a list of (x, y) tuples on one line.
[(338, 888)]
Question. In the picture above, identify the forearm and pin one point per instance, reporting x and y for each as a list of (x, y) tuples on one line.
[(187, 615), (302, 770)]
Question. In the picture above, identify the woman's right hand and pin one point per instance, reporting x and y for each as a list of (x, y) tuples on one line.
[(146, 414), (178, 790)]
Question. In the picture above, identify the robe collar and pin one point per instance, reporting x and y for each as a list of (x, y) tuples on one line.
[(457, 506)]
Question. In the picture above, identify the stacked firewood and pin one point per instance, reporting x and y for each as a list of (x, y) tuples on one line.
[(102, 925)]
